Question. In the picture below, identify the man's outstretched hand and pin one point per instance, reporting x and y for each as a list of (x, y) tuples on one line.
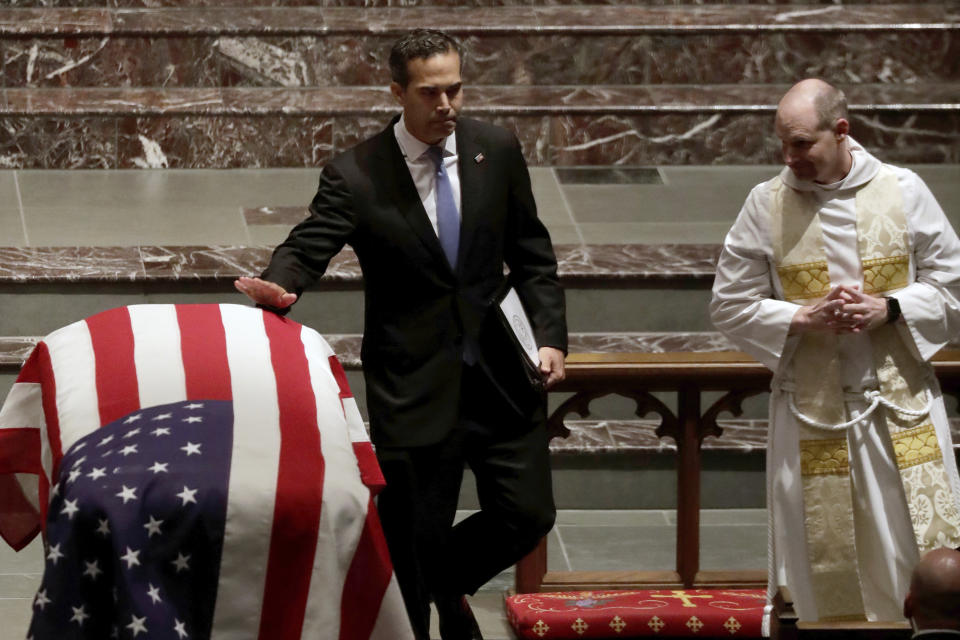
[(266, 293)]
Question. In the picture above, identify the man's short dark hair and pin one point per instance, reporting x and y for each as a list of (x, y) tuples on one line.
[(831, 105), (419, 43)]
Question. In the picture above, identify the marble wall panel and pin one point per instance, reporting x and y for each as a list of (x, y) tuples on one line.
[(350, 131), (577, 59), (58, 143), (224, 142), (111, 61), (533, 133), (713, 59), (440, 3), (696, 138), (905, 138)]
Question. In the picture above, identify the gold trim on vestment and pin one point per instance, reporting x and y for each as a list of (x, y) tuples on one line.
[(885, 274), (804, 281), (916, 446), (824, 457)]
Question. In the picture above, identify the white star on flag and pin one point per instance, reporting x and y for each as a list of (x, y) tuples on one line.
[(131, 557), (73, 475), (127, 450), (191, 448), (105, 441), (192, 419), (194, 405), (127, 494), (70, 508), (162, 416), (41, 600), (187, 495), (79, 615), (154, 593), (92, 569), (132, 418), (79, 461), (137, 625), (153, 527), (182, 562), (161, 431), (55, 553), (131, 433), (98, 472), (178, 627), (158, 467), (104, 528)]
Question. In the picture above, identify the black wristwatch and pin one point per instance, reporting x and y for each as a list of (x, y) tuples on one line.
[(893, 310)]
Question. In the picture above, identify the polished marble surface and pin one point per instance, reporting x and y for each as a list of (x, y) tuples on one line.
[(558, 126), (577, 264)]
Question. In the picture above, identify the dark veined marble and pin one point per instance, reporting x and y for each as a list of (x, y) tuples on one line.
[(594, 263), (558, 126), (436, 3), (465, 20)]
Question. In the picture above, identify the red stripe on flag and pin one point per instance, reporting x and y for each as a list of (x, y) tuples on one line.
[(117, 390), (203, 346), (370, 473), (21, 451), (341, 377), (367, 581), (19, 521), (296, 517), (51, 416)]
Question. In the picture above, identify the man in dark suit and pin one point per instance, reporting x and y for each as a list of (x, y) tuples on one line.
[(933, 602), (435, 206)]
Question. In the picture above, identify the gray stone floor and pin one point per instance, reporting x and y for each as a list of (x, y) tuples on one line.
[(181, 207), (582, 540)]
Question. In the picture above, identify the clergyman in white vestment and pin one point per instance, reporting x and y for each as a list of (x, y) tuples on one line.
[(842, 275)]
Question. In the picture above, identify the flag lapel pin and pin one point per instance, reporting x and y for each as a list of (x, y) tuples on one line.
[(478, 158)]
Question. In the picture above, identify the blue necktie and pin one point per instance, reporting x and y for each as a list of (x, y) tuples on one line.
[(448, 216)]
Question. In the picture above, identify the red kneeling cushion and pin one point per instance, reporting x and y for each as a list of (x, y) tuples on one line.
[(694, 613)]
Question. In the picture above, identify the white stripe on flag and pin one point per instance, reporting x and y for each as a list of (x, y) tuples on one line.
[(23, 408), (392, 621), (345, 497), (156, 354), (75, 376), (253, 476)]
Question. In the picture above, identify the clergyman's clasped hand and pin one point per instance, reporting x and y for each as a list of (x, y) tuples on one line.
[(845, 309)]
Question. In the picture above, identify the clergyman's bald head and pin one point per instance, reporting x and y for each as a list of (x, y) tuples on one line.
[(816, 96), (934, 597)]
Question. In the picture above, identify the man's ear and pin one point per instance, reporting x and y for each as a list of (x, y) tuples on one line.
[(397, 91), (841, 128)]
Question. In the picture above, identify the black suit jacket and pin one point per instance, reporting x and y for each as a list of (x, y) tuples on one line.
[(419, 312)]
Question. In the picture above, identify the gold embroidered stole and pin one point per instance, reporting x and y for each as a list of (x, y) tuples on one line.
[(883, 244)]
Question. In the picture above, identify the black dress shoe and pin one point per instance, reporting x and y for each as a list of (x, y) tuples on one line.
[(456, 619)]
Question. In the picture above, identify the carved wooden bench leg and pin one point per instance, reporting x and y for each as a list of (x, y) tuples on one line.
[(532, 568)]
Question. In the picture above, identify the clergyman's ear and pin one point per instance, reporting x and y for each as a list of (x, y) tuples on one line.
[(841, 128)]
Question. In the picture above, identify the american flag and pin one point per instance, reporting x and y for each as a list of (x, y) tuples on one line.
[(206, 474)]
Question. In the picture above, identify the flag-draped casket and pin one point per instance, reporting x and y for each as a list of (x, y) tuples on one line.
[(200, 471)]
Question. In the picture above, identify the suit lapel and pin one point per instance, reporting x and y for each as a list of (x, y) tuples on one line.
[(406, 198), (472, 166)]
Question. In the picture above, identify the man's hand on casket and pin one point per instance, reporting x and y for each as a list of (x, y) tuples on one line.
[(262, 292)]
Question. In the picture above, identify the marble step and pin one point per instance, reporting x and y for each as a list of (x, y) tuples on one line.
[(610, 288), (119, 128), (514, 45), (434, 3)]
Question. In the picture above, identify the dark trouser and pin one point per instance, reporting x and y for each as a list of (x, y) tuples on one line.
[(510, 460)]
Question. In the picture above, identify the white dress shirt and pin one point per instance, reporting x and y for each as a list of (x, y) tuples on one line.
[(422, 169)]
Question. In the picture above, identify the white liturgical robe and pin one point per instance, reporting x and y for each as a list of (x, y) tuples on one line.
[(749, 307)]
